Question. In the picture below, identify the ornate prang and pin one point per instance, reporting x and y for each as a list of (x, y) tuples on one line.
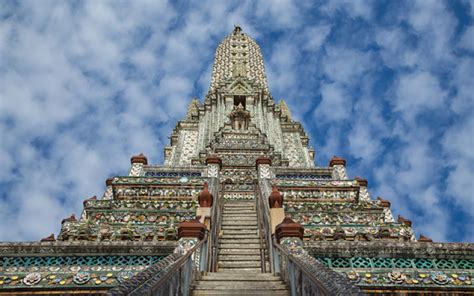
[(205, 197), (252, 153), (275, 200)]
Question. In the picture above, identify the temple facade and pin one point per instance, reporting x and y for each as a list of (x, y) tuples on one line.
[(237, 208)]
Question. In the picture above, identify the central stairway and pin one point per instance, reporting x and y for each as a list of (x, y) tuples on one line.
[(239, 262)]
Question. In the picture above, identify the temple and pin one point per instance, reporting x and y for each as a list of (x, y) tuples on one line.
[(237, 208)]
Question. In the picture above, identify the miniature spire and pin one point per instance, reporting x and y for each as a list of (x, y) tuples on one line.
[(193, 108), (285, 111)]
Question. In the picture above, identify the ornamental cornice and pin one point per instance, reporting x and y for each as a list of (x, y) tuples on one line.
[(391, 249), (86, 248)]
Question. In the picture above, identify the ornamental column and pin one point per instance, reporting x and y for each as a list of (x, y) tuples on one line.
[(338, 168), (138, 162)]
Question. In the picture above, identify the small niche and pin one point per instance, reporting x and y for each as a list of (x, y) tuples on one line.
[(239, 100)]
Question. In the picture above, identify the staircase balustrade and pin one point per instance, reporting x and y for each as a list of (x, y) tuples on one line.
[(216, 221), (171, 276), (265, 232)]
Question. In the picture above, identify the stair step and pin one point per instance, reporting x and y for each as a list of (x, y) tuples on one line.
[(239, 246), (232, 285), (240, 292), (239, 227), (240, 276), (239, 264), (241, 241), (231, 251), (239, 257), (240, 232), (240, 236), (238, 219), (239, 215), (240, 269), (243, 223)]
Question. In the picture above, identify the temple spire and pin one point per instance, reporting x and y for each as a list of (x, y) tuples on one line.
[(238, 56)]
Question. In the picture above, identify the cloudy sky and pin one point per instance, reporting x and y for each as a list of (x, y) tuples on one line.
[(388, 85)]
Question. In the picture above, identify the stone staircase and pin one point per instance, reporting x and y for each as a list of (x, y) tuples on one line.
[(239, 263)]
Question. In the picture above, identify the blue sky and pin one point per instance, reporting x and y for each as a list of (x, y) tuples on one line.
[(388, 85)]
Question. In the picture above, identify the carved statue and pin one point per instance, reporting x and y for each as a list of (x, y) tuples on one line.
[(239, 118)]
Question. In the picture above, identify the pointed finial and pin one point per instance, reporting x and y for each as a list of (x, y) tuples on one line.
[(237, 29)]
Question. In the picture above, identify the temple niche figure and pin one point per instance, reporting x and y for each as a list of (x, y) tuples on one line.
[(239, 117)]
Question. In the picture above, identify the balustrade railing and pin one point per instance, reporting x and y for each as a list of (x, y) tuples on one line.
[(265, 230), (216, 219), (171, 276), (307, 276)]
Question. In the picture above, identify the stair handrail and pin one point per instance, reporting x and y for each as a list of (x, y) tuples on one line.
[(164, 278), (216, 224), (307, 276), (265, 226)]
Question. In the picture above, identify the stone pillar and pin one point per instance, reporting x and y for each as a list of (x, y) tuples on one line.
[(214, 165), (363, 191), (263, 164), (189, 233), (138, 161), (339, 168), (289, 235), (277, 213), (289, 228)]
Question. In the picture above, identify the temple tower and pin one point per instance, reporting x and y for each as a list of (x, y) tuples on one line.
[(238, 207)]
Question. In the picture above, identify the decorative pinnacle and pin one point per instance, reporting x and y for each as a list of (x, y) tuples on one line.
[(192, 228), (237, 29), (405, 221), (72, 218), (205, 197), (139, 159), (49, 238), (262, 159), (337, 161), (109, 181), (362, 182), (289, 228), (425, 239), (275, 199), (384, 202)]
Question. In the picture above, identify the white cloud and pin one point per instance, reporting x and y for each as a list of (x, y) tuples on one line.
[(416, 93), (467, 39), (458, 142), (335, 105), (315, 36), (347, 66), (354, 8)]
